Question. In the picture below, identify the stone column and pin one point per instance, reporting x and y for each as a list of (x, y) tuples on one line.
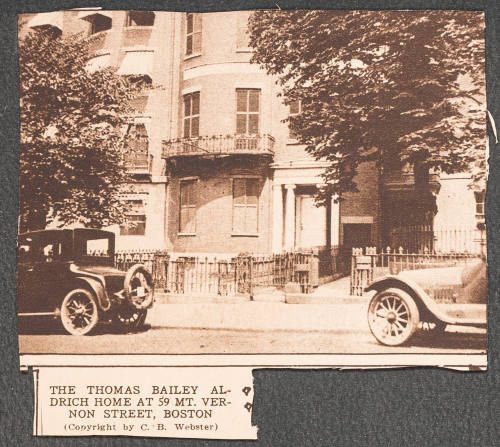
[(277, 219), (290, 217)]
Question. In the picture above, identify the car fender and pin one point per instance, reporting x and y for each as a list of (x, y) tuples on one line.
[(423, 300), (99, 291)]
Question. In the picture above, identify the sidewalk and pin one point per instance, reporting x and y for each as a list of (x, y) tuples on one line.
[(335, 292), (329, 307), (251, 315)]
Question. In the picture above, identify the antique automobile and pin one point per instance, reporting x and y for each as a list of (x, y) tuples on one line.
[(428, 299), (69, 274)]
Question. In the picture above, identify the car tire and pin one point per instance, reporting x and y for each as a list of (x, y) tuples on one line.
[(138, 287), (79, 312), (129, 318), (393, 317)]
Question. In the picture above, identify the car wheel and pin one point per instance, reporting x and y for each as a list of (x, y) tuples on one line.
[(130, 318), (138, 287), (79, 313), (393, 317)]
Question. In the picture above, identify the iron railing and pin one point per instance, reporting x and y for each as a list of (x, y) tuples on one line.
[(425, 239), (237, 275), (219, 145)]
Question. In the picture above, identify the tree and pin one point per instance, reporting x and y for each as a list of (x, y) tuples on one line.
[(72, 144), (391, 87)]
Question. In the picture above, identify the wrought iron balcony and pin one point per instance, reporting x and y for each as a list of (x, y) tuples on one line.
[(404, 181), (219, 145)]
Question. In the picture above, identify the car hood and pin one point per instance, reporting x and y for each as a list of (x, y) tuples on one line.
[(444, 276), (101, 270)]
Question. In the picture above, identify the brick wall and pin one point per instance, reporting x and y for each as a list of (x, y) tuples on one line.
[(214, 210), (363, 204)]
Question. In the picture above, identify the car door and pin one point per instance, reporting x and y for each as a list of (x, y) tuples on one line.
[(26, 275), (49, 272)]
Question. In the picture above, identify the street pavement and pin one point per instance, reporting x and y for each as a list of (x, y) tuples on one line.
[(244, 327)]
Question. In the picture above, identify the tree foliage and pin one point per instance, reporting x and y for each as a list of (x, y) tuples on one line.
[(390, 87), (72, 157)]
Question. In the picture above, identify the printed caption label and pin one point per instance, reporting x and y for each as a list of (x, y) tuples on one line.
[(180, 402)]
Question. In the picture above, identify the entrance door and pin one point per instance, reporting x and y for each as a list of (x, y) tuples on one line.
[(311, 223), (355, 236)]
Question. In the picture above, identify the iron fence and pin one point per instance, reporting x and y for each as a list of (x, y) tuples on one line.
[(444, 239), (154, 260), (238, 275)]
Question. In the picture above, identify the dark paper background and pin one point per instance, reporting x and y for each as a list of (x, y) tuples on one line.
[(423, 406)]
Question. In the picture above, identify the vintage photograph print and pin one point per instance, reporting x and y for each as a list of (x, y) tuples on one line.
[(252, 182)]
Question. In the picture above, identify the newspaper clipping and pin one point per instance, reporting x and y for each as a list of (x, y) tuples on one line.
[(201, 194)]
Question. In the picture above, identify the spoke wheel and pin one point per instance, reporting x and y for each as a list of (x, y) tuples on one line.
[(393, 317), (130, 318), (79, 314), (138, 287)]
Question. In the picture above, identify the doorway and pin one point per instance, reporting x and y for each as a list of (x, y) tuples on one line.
[(355, 235), (310, 223)]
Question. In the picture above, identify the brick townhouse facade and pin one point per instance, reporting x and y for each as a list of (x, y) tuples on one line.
[(216, 170)]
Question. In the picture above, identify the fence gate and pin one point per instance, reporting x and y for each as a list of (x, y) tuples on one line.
[(362, 268), (243, 275), (159, 269)]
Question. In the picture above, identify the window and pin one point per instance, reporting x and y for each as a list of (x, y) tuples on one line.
[(192, 115), (245, 205), (193, 33), (295, 109), (479, 198), (140, 18), (187, 217), (51, 251), (247, 111), (99, 23), (137, 139), (135, 223), (24, 253), (136, 146), (242, 36), (96, 247)]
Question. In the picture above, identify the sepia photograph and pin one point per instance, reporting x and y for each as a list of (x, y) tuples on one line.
[(252, 182)]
